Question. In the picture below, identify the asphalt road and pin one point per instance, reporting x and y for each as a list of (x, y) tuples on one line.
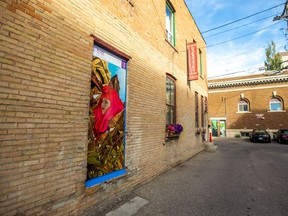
[(240, 178)]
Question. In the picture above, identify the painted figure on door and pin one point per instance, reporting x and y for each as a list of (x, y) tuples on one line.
[(106, 135)]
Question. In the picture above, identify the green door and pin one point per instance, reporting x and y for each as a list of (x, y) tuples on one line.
[(218, 128), (215, 128), (222, 128)]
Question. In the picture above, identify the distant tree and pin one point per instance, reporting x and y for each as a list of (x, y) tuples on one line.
[(273, 58)]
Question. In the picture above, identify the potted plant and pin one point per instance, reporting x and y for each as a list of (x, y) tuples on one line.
[(173, 130)]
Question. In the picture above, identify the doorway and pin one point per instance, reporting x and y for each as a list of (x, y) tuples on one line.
[(218, 127)]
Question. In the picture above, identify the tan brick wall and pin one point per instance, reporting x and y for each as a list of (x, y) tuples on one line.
[(45, 57), (259, 97)]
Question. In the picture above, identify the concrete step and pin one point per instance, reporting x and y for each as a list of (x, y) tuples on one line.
[(210, 147)]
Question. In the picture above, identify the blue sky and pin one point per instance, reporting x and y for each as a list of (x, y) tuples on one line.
[(245, 55), (121, 73)]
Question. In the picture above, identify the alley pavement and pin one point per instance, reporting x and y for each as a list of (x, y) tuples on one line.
[(240, 178)]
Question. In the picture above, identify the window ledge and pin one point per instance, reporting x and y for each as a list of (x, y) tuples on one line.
[(276, 110), (171, 45), (172, 137), (244, 112)]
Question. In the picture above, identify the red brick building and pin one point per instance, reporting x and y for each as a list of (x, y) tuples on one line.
[(88, 89), (239, 104)]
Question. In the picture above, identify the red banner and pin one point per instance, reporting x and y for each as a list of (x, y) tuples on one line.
[(192, 61)]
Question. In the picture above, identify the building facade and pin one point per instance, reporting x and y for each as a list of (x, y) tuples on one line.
[(284, 56), (97, 97), (240, 104)]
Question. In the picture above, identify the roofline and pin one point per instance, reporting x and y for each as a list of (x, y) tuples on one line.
[(248, 81), (195, 22)]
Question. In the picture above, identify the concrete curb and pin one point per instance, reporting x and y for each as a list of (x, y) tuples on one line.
[(210, 147)]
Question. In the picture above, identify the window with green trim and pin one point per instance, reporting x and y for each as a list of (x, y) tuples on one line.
[(200, 65), (170, 23)]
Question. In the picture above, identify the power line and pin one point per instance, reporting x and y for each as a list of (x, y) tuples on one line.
[(237, 27), (249, 52), (227, 74), (242, 71), (284, 16), (240, 19), (241, 36)]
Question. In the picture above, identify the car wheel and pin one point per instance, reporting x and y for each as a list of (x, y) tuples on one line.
[(269, 141), (280, 141)]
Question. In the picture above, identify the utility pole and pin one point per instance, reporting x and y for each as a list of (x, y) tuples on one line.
[(284, 16)]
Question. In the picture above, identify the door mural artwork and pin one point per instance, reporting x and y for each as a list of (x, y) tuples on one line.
[(106, 140), (218, 128), (214, 128), (222, 126)]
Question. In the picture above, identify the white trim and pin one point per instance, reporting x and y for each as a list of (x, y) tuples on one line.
[(242, 103), (243, 112), (276, 110), (248, 88), (248, 81), (218, 118)]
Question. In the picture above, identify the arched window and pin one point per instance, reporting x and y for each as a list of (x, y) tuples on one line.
[(170, 101), (243, 105), (276, 104)]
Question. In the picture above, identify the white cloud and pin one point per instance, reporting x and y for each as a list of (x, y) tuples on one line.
[(247, 52)]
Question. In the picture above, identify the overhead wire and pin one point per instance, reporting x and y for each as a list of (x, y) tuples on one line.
[(249, 52), (221, 75), (241, 36), (238, 27), (242, 71), (235, 72), (240, 19)]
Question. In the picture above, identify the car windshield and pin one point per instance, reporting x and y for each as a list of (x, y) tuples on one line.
[(284, 131), (260, 131)]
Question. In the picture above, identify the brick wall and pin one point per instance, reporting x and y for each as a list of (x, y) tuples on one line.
[(45, 58), (259, 96)]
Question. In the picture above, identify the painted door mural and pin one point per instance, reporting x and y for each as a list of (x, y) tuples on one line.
[(106, 144), (218, 128), (222, 127), (214, 128)]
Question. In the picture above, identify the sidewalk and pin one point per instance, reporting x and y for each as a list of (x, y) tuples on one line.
[(240, 178), (160, 191)]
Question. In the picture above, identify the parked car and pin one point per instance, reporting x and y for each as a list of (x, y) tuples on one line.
[(260, 135), (281, 136)]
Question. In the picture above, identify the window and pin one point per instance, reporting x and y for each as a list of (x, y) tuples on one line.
[(200, 65), (276, 104), (196, 110), (170, 23), (170, 101), (202, 110), (243, 106)]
